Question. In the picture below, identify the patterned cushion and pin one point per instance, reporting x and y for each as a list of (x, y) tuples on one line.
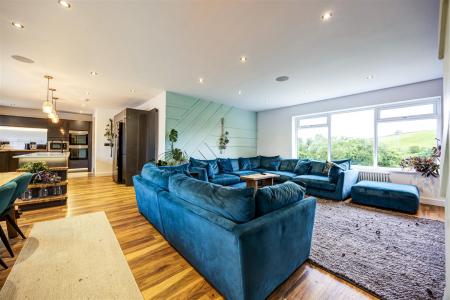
[(244, 164), (317, 167), (225, 165)]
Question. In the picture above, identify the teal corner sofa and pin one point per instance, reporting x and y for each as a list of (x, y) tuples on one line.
[(320, 181), (244, 245)]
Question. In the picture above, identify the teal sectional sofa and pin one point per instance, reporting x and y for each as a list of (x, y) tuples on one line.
[(326, 180), (244, 245)]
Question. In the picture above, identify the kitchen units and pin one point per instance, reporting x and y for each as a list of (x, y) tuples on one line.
[(23, 135)]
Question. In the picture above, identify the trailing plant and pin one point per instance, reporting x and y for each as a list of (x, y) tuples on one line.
[(110, 135), (41, 173), (426, 165), (223, 139)]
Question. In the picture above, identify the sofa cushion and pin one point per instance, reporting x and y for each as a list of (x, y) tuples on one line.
[(302, 167), (225, 179), (316, 182), (270, 162), (317, 167), (288, 165), (234, 164), (225, 165), (335, 170), (270, 198), (157, 176), (284, 175), (212, 168), (234, 204), (346, 163), (244, 163), (255, 162)]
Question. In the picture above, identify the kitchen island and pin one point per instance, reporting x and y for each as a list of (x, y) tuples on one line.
[(44, 193)]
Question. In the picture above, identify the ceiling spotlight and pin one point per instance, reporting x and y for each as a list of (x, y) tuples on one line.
[(88, 93), (200, 80), (243, 59), (326, 16), (369, 77), (132, 90), (64, 3), (93, 73), (17, 25), (282, 78), (87, 100), (239, 92)]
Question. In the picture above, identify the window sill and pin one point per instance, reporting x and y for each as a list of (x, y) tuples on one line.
[(384, 170)]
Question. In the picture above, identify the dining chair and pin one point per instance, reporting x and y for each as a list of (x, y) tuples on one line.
[(22, 185), (6, 192)]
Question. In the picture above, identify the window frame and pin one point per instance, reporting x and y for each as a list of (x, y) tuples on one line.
[(437, 115)]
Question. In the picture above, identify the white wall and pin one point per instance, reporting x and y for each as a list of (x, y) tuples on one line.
[(275, 126), (275, 130), (159, 102), (102, 160)]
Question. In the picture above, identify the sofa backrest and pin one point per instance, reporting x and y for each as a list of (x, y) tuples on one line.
[(288, 165), (156, 175), (235, 204)]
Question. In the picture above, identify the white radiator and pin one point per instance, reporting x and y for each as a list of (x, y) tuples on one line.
[(374, 176)]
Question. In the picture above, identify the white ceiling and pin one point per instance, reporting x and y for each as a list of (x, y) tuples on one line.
[(150, 46)]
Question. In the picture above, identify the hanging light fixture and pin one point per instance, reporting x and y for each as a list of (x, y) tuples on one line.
[(47, 106), (55, 119), (53, 115)]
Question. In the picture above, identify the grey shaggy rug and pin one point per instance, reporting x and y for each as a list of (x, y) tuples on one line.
[(390, 255)]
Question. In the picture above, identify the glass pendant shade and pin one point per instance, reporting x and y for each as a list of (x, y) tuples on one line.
[(52, 114), (47, 107), (55, 119)]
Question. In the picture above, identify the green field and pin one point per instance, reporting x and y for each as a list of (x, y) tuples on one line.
[(391, 150)]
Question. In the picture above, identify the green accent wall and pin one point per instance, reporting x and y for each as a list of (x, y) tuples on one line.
[(198, 124)]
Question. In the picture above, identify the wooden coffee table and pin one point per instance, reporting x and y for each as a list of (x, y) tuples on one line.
[(259, 180)]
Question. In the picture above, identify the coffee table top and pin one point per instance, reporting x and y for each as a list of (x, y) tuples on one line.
[(256, 177)]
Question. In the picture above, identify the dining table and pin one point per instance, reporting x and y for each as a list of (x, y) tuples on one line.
[(6, 177)]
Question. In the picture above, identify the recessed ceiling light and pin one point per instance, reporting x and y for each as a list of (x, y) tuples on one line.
[(93, 73), (132, 90), (282, 78), (88, 93), (243, 59), (200, 80), (87, 100), (369, 77), (81, 111), (239, 92), (22, 59), (17, 25), (64, 3), (327, 15)]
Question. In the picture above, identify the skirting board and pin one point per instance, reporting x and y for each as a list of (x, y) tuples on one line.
[(432, 201), (102, 173)]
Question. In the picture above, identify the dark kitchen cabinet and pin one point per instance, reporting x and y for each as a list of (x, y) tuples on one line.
[(58, 132), (136, 142)]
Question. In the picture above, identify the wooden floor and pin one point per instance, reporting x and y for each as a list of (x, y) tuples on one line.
[(160, 272)]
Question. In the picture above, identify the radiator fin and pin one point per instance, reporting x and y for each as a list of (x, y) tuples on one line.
[(374, 176)]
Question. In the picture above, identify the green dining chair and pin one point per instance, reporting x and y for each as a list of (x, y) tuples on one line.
[(6, 192), (22, 185)]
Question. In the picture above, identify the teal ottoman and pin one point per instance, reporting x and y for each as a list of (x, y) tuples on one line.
[(400, 197)]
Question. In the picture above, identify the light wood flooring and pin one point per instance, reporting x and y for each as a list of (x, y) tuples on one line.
[(160, 272)]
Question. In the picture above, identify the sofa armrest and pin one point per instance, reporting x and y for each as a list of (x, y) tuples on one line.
[(274, 245), (203, 174), (346, 180)]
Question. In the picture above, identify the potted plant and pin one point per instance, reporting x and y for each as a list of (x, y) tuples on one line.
[(223, 139), (174, 156), (41, 173)]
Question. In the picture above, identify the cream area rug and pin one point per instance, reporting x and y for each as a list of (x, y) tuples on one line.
[(72, 258)]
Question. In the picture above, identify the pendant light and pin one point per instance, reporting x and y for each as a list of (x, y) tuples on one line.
[(55, 119), (47, 106)]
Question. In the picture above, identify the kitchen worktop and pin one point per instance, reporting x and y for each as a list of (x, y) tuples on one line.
[(40, 155), (23, 150)]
